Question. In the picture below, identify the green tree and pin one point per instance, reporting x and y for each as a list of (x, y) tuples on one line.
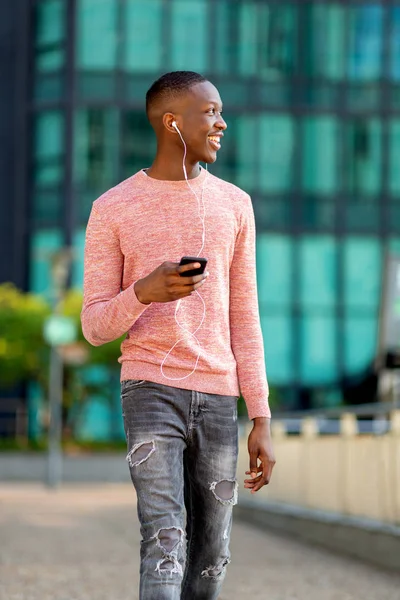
[(22, 349)]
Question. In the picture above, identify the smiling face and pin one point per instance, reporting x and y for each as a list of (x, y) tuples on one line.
[(199, 118)]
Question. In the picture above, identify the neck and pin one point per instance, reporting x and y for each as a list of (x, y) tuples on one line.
[(168, 168)]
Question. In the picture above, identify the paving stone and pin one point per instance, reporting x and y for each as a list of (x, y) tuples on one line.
[(82, 543)]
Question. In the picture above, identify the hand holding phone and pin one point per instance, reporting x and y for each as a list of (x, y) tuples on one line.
[(186, 260), (168, 282)]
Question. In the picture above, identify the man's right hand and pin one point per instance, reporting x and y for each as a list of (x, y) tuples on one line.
[(165, 283)]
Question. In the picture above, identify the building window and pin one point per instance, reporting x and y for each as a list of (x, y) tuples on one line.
[(394, 157), (362, 284), (365, 47), (96, 149), (138, 143), (395, 43), (318, 350), (49, 23), (276, 135), (143, 42), (44, 244), (97, 34), (48, 167), (275, 295), (225, 49), (247, 152), (49, 49), (267, 39), (317, 257), (325, 40), (319, 155), (190, 29), (363, 156)]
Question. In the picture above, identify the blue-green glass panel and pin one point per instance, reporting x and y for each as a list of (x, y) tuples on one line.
[(275, 55), (46, 206), (317, 263), (394, 157), (143, 44), (50, 22), (364, 156), (97, 34), (43, 246), (138, 142), (277, 334), (48, 174), (246, 151), (360, 343), (394, 245), (248, 15), (50, 60), (77, 265), (395, 43), (222, 24), (190, 27), (362, 272), (320, 155), (49, 135), (366, 42), (94, 420), (274, 271), (48, 87), (325, 40), (276, 152), (318, 363), (96, 147)]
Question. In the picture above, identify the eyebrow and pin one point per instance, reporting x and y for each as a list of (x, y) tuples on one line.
[(216, 103)]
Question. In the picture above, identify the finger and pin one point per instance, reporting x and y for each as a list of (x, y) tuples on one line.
[(264, 479), (253, 464), (199, 284), (259, 470), (253, 481), (188, 267)]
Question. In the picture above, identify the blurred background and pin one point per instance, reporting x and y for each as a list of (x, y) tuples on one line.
[(312, 100)]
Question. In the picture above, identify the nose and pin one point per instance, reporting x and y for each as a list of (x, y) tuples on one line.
[(221, 124)]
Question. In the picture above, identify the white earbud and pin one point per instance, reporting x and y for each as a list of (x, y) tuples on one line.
[(175, 125)]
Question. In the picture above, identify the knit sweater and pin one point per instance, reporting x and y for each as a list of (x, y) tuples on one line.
[(143, 222)]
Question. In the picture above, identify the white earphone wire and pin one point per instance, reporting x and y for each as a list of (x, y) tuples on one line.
[(202, 215)]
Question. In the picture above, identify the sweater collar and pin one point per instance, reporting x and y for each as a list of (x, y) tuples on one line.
[(195, 183)]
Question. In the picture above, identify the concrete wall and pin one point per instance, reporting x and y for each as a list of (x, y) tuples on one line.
[(350, 474)]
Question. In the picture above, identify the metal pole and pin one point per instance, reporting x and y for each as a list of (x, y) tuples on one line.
[(55, 462), (60, 270)]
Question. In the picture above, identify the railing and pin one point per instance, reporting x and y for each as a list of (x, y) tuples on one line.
[(343, 460)]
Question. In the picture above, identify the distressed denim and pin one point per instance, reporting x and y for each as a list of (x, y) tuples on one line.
[(182, 455)]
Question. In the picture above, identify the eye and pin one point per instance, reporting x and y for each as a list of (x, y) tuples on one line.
[(212, 111)]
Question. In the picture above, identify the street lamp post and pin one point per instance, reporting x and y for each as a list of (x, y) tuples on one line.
[(58, 330)]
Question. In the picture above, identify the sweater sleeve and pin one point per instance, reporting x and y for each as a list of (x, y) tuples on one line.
[(246, 337), (107, 313)]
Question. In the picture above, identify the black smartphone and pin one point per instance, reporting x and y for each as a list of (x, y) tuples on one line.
[(185, 260)]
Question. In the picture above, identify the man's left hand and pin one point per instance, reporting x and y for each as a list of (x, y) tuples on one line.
[(261, 453)]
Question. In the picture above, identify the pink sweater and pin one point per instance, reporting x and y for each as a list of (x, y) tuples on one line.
[(138, 225)]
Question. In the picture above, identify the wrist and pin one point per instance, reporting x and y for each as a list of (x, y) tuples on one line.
[(261, 422), (140, 295)]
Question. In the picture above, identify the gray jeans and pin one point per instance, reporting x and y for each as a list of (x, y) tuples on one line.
[(182, 455)]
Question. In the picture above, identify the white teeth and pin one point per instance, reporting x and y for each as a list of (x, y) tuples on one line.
[(213, 138)]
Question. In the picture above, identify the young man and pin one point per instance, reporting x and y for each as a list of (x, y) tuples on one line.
[(186, 354)]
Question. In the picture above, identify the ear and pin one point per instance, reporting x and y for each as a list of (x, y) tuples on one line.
[(168, 120)]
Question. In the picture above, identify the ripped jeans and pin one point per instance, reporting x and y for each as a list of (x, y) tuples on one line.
[(182, 455)]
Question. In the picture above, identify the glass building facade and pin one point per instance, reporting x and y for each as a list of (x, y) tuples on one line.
[(312, 101)]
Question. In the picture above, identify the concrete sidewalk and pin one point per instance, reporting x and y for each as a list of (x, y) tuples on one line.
[(81, 543)]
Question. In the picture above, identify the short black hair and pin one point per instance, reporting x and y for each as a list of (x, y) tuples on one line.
[(171, 85)]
